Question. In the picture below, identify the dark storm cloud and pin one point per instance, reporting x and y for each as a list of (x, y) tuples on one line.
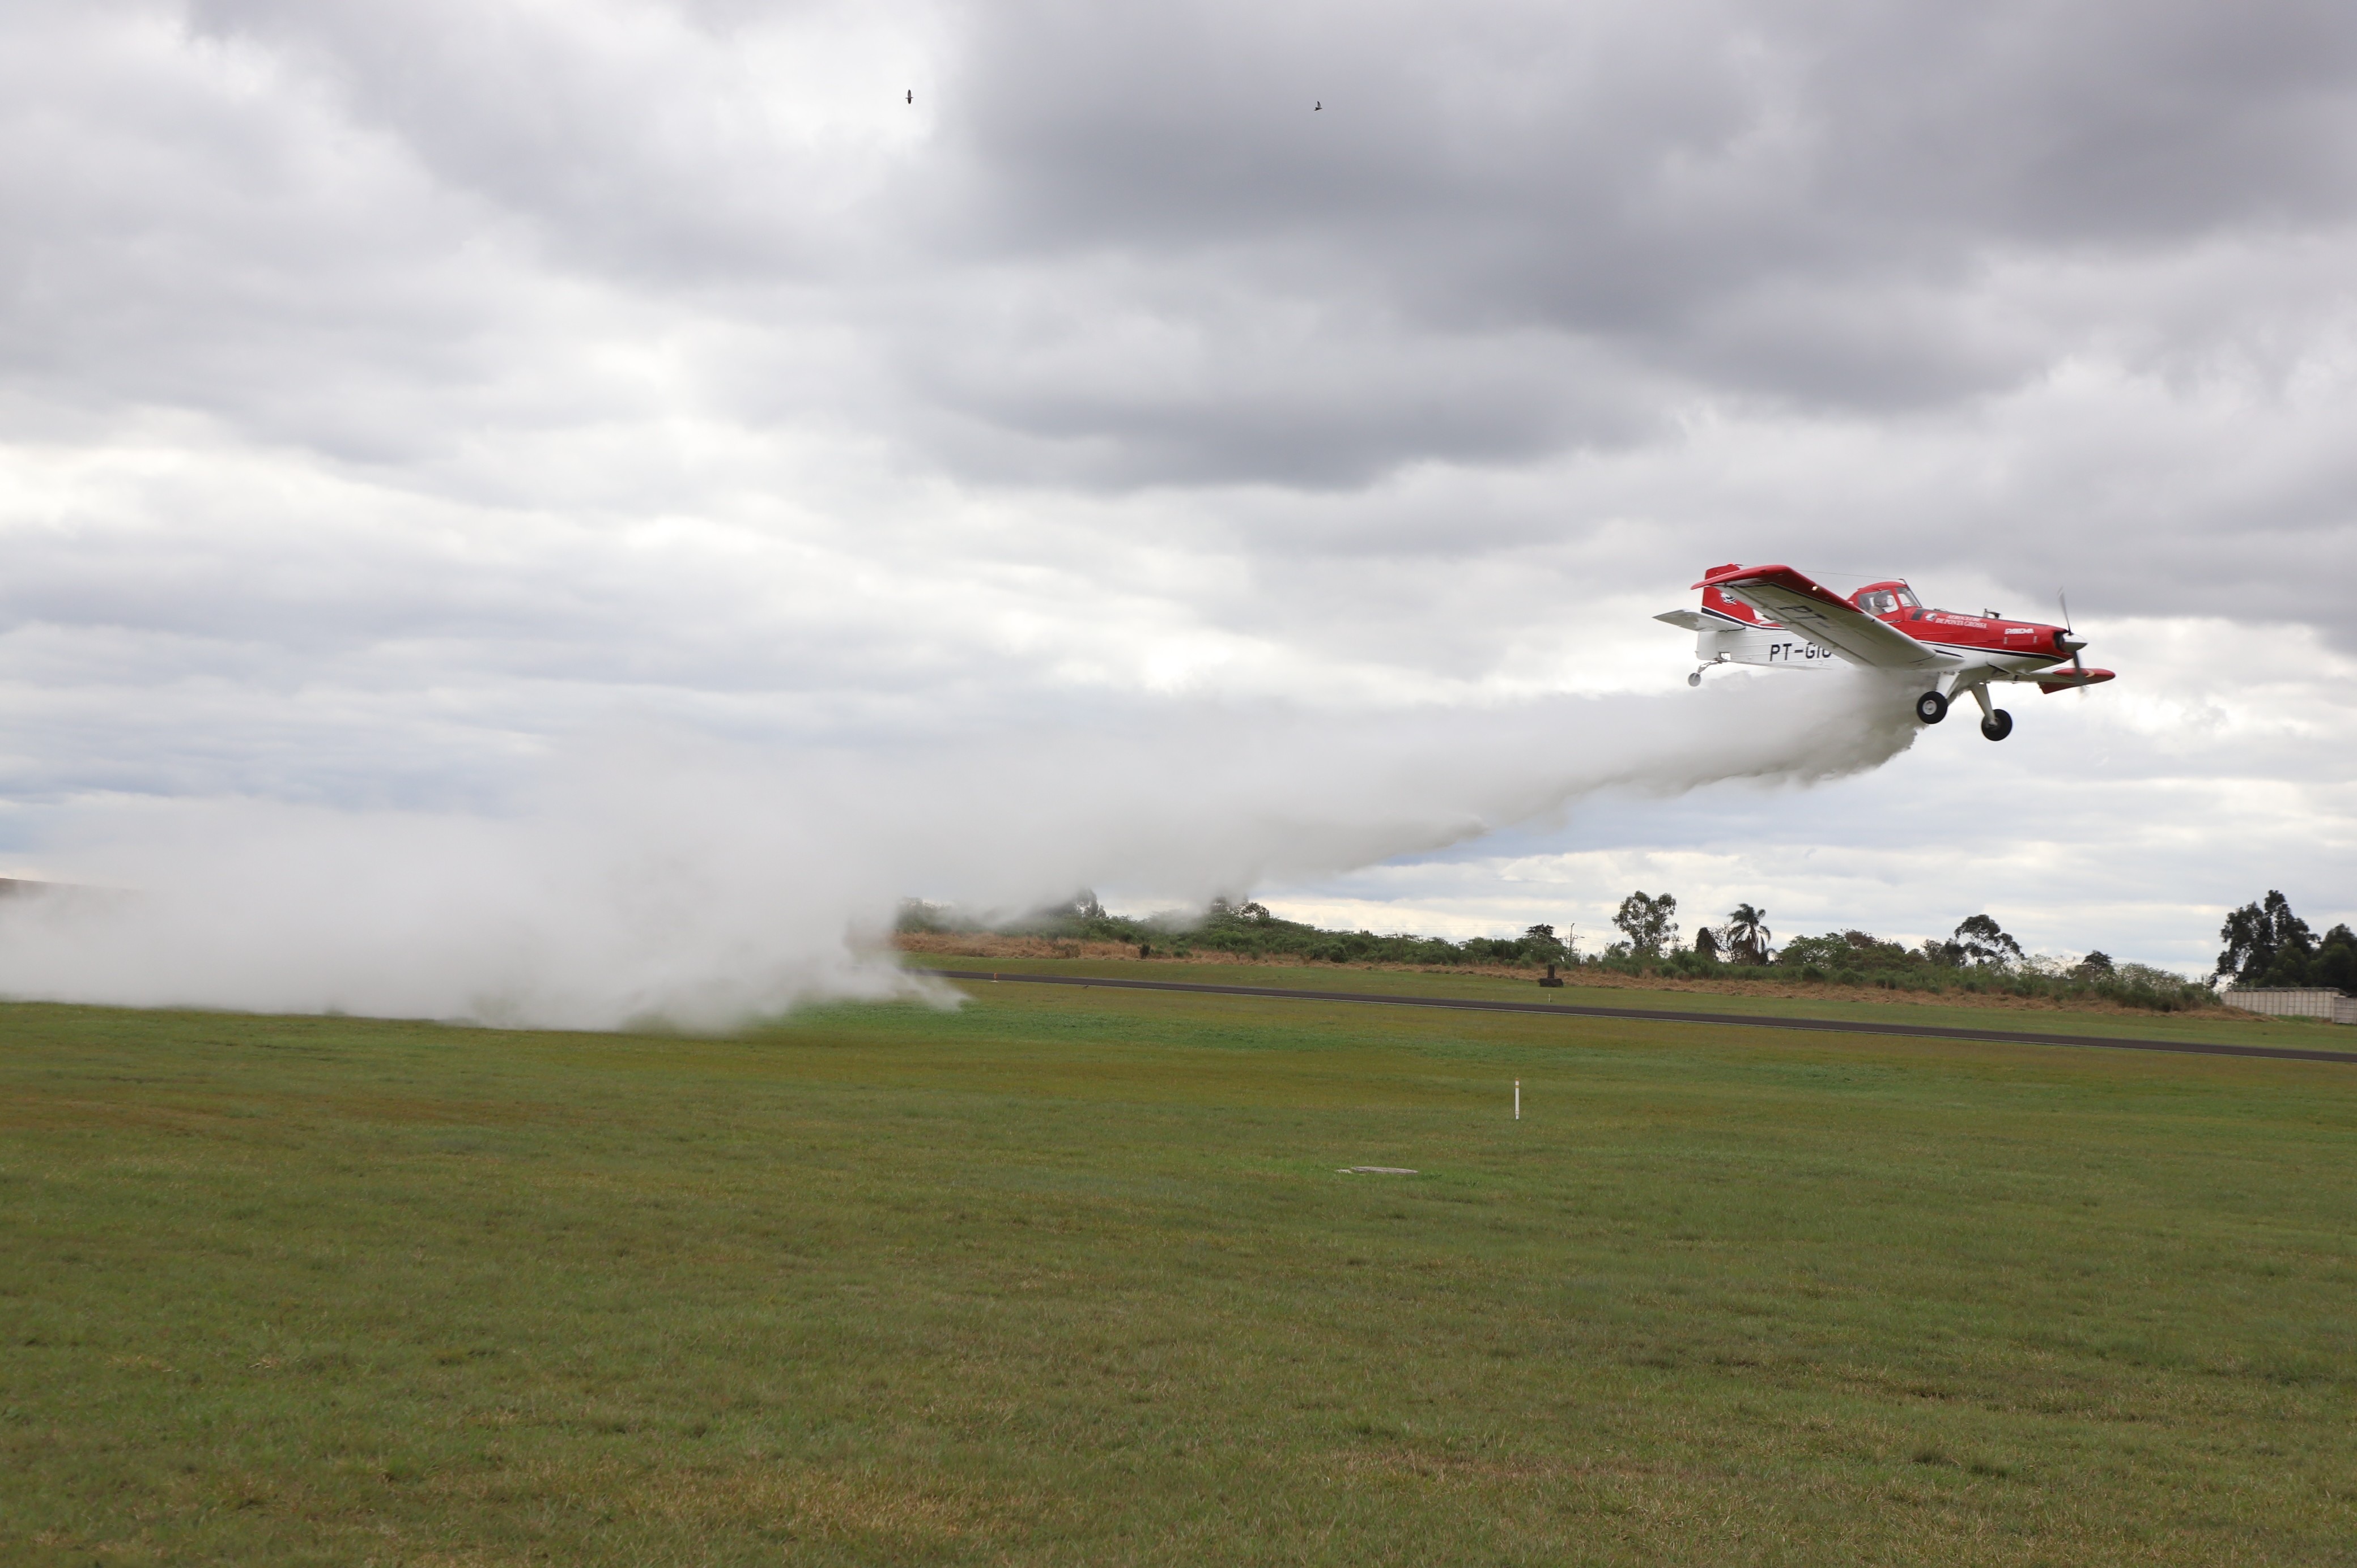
[(1124, 249), (2033, 279), (1614, 161), (1597, 218), (1794, 200)]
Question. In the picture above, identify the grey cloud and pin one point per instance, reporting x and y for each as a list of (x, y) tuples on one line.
[(647, 140), (1511, 232), (1087, 386), (418, 241), (1702, 141), (2125, 125), (1811, 208)]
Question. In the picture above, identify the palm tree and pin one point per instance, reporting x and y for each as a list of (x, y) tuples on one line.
[(1748, 933)]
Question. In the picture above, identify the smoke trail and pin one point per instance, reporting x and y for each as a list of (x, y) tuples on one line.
[(657, 875)]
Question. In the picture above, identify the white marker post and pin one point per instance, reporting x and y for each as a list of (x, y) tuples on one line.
[(1518, 1099)]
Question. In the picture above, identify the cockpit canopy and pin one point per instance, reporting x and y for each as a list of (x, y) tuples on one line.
[(1887, 599)]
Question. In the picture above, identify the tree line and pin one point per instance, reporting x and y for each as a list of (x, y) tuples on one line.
[(2273, 947), (1649, 929), (1979, 955), (2266, 945)]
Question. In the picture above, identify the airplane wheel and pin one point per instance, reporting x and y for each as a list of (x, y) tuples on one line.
[(1997, 726), (1695, 679), (1931, 707)]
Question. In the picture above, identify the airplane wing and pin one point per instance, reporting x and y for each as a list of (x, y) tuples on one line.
[(1690, 620), (1824, 617)]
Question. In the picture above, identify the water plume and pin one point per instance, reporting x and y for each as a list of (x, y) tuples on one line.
[(651, 875)]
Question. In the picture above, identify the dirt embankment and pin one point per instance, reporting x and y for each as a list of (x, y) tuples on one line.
[(991, 945), (986, 944)]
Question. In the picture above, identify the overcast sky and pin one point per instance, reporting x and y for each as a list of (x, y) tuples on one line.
[(388, 392)]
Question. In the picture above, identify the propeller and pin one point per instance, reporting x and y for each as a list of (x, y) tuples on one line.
[(2070, 636)]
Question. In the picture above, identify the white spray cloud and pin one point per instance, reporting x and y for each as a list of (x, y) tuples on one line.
[(665, 876)]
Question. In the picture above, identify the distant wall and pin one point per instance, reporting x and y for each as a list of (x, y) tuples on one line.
[(2331, 1006)]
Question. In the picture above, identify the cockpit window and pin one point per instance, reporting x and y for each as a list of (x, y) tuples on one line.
[(1881, 602), (1907, 599)]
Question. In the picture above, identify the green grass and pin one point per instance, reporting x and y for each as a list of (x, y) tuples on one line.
[(1069, 1276)]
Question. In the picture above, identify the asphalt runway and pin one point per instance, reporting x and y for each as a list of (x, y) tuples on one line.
[(1740, 1020)]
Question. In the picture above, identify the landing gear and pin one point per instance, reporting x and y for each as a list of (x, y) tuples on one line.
[(1695, 679), (1931, 707), (1995, 722)]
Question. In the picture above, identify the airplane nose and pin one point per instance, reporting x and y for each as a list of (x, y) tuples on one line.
[(2064, 642)]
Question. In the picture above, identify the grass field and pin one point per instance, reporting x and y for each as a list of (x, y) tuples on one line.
[(1070, 1276)]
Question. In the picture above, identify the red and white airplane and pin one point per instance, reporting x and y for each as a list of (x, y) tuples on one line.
[(1774, 615)]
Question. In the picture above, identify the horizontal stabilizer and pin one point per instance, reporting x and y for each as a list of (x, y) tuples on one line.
[(1690, 620), (2052, 680)]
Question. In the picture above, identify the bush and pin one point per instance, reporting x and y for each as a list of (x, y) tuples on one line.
[(1246, 930)]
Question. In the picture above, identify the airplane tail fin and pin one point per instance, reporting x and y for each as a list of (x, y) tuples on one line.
[(1734, 609), (1729, 631)]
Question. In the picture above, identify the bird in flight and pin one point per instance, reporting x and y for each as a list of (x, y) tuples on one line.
[(1319, 104), (912, 95)]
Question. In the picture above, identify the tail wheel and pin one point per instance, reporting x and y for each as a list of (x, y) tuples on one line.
[(1695, 679), (1997, 726), (1931, 707)]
